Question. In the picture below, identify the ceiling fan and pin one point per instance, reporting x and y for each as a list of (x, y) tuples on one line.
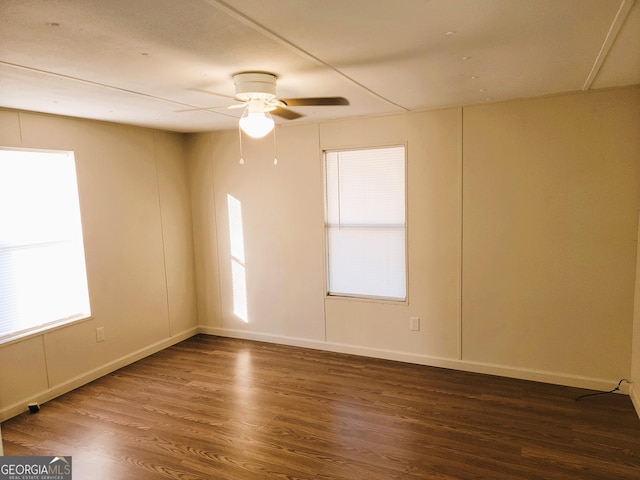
[(257, 94)]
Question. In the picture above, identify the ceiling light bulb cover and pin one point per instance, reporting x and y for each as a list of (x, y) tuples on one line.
[(256, 124)]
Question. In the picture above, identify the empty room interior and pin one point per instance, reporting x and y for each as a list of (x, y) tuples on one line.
[(237, 271)]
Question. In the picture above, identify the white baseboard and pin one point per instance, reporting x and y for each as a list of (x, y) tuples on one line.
[(556, 378), (455, 364), (62, 388)]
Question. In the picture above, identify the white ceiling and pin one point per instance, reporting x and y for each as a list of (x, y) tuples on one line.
[(142, 62)]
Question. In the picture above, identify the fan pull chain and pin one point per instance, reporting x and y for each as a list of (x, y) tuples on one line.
[(240, 139), (275, 153), (275, 156)]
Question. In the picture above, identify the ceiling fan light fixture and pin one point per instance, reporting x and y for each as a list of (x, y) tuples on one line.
[(254, 86), (256, 124)]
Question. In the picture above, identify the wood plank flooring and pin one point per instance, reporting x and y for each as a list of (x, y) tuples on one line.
[(218, 408)]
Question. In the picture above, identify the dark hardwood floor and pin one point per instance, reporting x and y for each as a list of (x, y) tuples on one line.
[(217, 408)]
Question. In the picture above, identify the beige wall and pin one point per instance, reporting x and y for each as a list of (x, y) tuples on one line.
[(282, 211), (523, 220), (551, 197), (635, 351), (134, 198), (521, 237), (283, 216)]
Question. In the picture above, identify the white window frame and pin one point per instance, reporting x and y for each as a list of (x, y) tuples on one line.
[(43, 256), (401, 285)]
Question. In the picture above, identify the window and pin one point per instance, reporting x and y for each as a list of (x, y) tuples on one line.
[(365, 223), (43, 279)]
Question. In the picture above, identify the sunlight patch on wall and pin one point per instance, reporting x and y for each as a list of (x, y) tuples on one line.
[(238, 272)]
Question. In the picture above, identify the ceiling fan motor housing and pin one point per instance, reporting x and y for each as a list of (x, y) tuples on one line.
[(255, 86)]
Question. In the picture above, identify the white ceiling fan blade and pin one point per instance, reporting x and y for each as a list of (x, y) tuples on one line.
[(275, 103)]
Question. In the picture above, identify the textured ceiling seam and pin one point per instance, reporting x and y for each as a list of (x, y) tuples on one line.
[(102, 85), (267, 32), (616, 25)]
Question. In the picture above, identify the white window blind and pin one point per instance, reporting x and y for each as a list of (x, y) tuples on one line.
[(42, 269), (365, 222)]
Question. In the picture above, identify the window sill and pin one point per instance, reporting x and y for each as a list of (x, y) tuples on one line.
[(361, 299), (19, 337)]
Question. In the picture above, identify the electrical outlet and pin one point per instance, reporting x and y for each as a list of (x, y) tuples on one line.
[(100, 334), (414, 324)]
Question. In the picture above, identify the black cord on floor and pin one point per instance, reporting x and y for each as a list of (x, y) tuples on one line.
[(603, 393)]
